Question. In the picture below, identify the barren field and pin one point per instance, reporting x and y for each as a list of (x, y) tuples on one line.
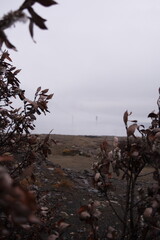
[(77, 152), (64, 183)]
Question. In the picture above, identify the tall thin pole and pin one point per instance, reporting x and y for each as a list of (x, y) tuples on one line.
[(158, 103)]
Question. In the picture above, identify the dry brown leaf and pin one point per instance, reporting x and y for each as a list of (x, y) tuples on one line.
[(17, 71), (62, 225), (84, 215), (97, 176), (148, 212), (53, 236), (115, 142), (5, 54), (125, 117), (131, 129)]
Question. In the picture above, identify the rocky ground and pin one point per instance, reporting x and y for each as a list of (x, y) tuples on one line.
[(64, 183), (77, 152), (61, 192)]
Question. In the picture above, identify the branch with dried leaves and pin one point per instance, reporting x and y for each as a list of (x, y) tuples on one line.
[(141, 207), (20, 16)]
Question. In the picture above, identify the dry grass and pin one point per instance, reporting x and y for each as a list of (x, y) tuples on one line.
[(88, 145)]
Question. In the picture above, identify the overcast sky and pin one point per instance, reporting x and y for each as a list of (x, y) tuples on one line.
[(99, 58)]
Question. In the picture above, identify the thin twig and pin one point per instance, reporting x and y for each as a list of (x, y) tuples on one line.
[(143, 175)]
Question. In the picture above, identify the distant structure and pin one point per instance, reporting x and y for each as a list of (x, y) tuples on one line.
[(96, 119)]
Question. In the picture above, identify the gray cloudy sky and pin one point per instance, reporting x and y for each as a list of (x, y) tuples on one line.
[(99, 57)]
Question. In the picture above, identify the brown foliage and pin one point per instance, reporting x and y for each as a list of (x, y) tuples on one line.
[(19, 15), (18, 148), (140, 218)]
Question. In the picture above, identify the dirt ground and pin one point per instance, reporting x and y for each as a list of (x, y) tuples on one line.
[(86, 152), (87, 148), (64, 183)]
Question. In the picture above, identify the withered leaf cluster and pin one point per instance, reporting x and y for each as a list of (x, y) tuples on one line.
[(127, 159), (19, 149), (18, 120), (17, 206), (19, 15), (16, 124)]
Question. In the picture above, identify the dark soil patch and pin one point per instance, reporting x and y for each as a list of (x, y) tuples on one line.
[(61, 191)]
